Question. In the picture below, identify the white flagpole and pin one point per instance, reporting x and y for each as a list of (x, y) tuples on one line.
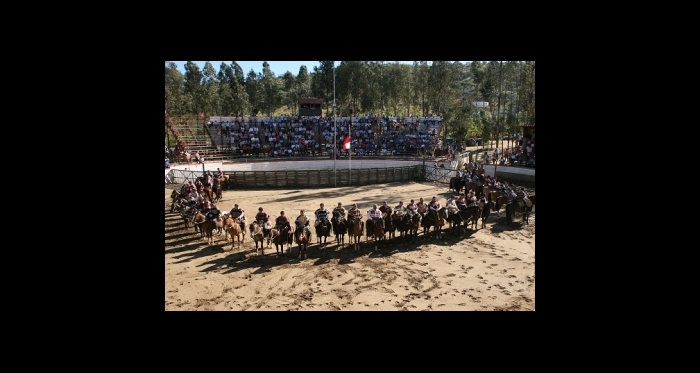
[(335, 144), (350, 147)]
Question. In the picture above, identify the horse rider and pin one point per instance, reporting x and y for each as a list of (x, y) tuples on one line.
[(452, 205), (353, 212), (462, 202), (239, 213), (320, 214), (218, 173), (434, 205), (421, 205), (482, 200), (262, 217), (200, 205), (211, 212), (303, 221), (521, 196), (282, 221), (198, 184), (471, 200), (185, 190), (340, 209), (384, 208), (373, 215), (399, 210), (411, 207)]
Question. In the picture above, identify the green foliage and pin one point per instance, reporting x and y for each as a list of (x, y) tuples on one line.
[(444, 88)]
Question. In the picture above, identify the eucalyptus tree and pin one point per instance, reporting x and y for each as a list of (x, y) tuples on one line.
[(210, 92), (421, 75), (291, 92), (270, 88), (440, 76), (528, 92), (396, 86), (370, 97), (322, 85), (304, 82), (350, 83), (240, 102), (254, 89), (194, 93), (174, 90)]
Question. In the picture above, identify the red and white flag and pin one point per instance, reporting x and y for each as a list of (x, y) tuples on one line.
[(346, 142)]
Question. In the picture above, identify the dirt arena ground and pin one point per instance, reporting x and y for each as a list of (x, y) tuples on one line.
[(487, 269)]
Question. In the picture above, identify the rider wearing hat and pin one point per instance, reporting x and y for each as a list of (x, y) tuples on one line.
[(262, 216), (239, 213), (340, 209), (373, 215), (320, 214), (303, 221), (282, 221)]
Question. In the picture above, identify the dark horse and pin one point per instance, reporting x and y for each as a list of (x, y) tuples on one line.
[(485, 212), (456, 183), (403, 225), (390, 226), (525, 210), (514, 207), (415, 225), (302, 237), (435, 219), (340, 228), (323, 230)]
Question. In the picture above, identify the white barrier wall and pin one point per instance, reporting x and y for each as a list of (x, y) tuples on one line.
[(511, 173)]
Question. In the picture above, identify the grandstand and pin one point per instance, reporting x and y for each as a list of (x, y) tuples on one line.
[(207, 136)]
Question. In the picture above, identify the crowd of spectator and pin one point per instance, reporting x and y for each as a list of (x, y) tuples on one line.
[(293, 136), (521, 155)]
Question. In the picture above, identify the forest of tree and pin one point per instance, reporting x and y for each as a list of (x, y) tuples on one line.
[(443, 88)]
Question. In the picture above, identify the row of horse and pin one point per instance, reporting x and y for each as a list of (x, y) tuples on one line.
[(407, 224)]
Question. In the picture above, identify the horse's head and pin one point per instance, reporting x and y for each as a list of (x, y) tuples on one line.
[(415, 219)]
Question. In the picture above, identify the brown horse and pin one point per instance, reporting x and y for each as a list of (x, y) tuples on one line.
[(233, 227), (197, 220), (528, 209), (208, 227), (280, 237), (358, 226), (302, 237), (175, 195), (475, 215), (216, 188), (258, 236), (470, 186), (378, 233), (208, 192), (499, 202)]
